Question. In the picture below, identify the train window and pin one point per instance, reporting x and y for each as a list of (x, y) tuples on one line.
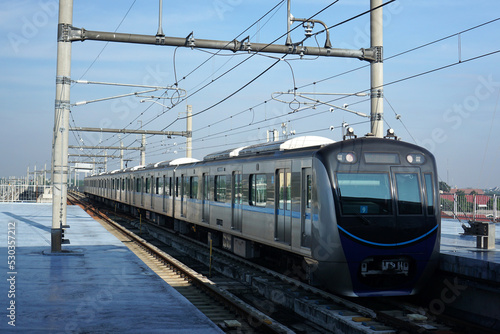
[(258, 189), (147, 185), (220, 188), (408, 190), (159, 186), (429, 191), (364, 193), (176, 187), (194, 187), (138, 185)]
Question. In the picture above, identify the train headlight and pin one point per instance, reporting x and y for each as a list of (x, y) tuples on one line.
[(415, 158), (347, 157)]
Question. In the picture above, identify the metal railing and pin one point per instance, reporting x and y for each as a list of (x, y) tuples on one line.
[(470, 207), (25, 193)]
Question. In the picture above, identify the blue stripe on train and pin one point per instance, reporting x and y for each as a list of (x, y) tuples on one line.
[(388, 245)]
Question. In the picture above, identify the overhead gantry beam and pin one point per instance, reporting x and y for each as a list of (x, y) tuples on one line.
[(105, 147), (140, 132), (69, 33)]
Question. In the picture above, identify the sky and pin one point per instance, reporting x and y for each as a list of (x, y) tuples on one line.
[(440, 73)]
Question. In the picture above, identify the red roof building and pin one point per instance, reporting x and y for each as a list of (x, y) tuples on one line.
[(467, 191)]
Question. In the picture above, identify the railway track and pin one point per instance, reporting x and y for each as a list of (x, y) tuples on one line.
[(225, 310), (276, 299)]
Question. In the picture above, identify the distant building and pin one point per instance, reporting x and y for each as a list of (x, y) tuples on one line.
[(467, 191)]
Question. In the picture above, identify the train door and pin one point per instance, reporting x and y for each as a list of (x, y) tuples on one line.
[(184, 194), (130, 190), (125, 189), (133, 190), (305, 207), (187, 194), (236, 201), (153, 191), (141, 189), (164, 194), (283, 205), (205, 201), (175, 196)]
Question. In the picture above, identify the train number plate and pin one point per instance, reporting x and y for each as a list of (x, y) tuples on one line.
[(399, 266)]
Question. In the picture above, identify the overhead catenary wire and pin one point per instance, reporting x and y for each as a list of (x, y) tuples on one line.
[(252, 55), (227, 132), (237, 65), (106, 44), (388, 58), (282, 1), (417, 75), (409, 77)]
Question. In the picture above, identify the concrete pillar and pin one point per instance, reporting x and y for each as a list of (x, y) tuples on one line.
[(61, 125), (377, 70)]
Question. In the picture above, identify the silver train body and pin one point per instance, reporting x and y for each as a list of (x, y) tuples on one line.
[(362, 214)]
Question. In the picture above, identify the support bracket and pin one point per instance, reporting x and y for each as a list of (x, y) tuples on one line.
[(373, 54), (68, 33)]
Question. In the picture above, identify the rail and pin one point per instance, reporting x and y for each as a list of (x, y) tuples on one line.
[(260, 320)]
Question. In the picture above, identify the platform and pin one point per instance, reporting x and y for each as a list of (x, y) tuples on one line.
[(460, 255), (100, 287)]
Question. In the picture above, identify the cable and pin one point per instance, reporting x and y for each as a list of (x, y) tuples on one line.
[(251, 56), (98, 56), (281, 2), (399, 118), (396, 81), (426, 72), (204, 62), (241, 88), (106, 44), (218, 135)]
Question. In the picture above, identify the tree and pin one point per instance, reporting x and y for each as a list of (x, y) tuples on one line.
[(444, 187)]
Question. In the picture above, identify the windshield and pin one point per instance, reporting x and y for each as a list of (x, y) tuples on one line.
[(364, 193), (409, 201)]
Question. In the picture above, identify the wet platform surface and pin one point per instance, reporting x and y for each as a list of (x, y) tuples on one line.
[(460, 255), (101, 287)]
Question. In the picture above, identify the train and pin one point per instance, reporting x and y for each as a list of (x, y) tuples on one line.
[(359, 217)]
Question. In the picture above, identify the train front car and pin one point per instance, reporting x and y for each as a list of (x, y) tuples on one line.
[(378, 219)]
